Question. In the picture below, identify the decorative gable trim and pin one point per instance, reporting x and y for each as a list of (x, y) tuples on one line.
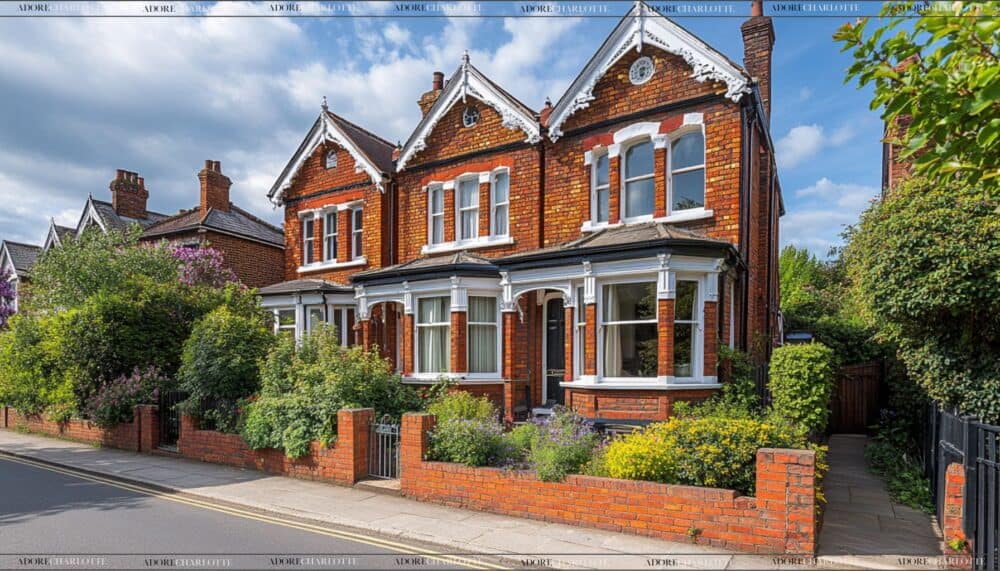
[(466, 81), (641, 26), (52, 239), (90, 214), (6, 262), (324, 129)]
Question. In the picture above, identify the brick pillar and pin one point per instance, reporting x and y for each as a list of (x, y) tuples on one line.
[(344, 235), (459, 331), (507, 370), (665, 337), (352, 431), (189, 425), (413, 445), (711, 343), (614, 189), (786, 492), (590, 340), (660, 182), (568, 355), (449, 214), (149, 426), (954, 502), (484, 209), (407, 344)]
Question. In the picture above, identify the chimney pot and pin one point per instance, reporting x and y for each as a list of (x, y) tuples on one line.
[(438, 83), (208, 164), (757, 8), (217, 166)]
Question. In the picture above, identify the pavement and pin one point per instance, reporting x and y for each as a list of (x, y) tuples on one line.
[(515, 542), (862, 526)]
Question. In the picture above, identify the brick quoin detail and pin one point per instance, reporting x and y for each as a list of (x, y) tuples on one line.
[(780, 520), (345, 462)]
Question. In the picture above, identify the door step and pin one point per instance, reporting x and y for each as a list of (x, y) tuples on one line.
[(387, 487)]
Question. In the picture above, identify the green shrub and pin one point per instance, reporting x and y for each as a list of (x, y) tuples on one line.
[(220, 365), (462, 405), (114, 403), (711, 451), (892, 453), (562, 445), (29, 380), (801, 384), (472, 442), (304, 387)]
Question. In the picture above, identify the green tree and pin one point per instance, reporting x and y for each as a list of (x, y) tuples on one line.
[(949, 86), (925, 267)]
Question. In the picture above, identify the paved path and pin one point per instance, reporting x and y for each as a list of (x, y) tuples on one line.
[(861, 525), (513, 540)]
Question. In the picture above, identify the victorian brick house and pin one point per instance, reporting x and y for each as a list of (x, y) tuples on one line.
[(594, 254)]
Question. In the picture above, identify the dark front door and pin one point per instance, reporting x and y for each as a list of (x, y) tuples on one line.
[(555, 352)]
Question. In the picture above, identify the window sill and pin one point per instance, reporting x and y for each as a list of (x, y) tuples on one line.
[(682, 216), (646, 383), (429, 378), (457, 245), (686, 215), (591, 226), (332, 265)]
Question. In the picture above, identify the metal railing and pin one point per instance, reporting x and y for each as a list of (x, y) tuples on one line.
[(383, 449)]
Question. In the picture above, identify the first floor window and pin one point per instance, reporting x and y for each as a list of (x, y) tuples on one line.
[(602, 189), (639, 180), (308, 236), (434, 334), (468, 209), (330, 236), (630, 336), (482, 334), (501, 202), (357, 226), (685, 328), (436, 200), (285, 321), (687, 172)]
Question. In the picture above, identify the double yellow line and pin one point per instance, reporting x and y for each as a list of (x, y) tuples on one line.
[(246, 514)]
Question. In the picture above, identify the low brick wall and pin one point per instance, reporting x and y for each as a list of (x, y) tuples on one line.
[(344, 462), (780, 520), (126, 436)]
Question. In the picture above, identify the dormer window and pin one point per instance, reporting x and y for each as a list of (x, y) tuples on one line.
[(639, 183), (470, 116), (600, 183), (687, 172), (331, 160)]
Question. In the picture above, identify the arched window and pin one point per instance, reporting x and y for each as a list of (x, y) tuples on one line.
[(639, 183), (331, 160), (687, 172)]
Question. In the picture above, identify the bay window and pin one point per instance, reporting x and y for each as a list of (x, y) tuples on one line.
[(436, 201), (630, 330), (308, 236), (357, 226), (687, 172), (285, 321), (433, 334), (315, 315), (686, 326), (330, 236), (501, 202), (468, 209), (639, 180), (600, 182), (482, 342)]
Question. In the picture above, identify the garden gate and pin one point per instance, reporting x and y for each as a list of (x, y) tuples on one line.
[(857, 398), (170, 419), (383, 449)]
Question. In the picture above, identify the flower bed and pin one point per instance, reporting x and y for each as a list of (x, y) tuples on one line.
[(780, 519)]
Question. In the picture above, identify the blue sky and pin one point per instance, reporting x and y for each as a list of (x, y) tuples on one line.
[(82, 97)]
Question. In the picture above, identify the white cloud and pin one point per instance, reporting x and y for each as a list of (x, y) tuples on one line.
[(397, 35), (804, 142), (805, 94), (825, 208)]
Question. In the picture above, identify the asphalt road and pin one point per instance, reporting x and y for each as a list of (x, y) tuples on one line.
[(53, 519)]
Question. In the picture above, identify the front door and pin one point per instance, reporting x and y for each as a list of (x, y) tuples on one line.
[(555, 352)]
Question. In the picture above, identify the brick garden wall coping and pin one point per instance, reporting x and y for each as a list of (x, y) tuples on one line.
[(781, 519)]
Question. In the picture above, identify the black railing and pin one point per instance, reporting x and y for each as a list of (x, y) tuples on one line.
[(170, 418), (761, 377), (955, 438)]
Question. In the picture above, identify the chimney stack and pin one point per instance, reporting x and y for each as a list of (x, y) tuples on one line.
[(428, 99), (129, 194), (758, 44), (214, 187)]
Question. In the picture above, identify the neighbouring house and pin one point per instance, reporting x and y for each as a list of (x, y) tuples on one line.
[(16, 259), (594, 254)]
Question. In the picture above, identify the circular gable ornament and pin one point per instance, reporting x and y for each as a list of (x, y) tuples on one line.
[(470, 116), (641, 70)]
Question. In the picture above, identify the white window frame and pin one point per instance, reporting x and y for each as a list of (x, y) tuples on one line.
[(357, 230), (330, 231), (307, 326), (459, 210), (632, 279), (674, 137), (308, 239), (278, 328), (416, 335), (622, 202), (698, 351), (326, 160), (579, 330), (341, 311), (595, 188), (499, 345), (434, 217), (494, 205)]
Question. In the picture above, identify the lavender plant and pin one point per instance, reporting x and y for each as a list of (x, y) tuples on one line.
[(202, 266), (7, 297), (114, 402)]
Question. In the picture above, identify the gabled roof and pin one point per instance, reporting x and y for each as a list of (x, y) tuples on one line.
[(20, 256), (57, 234), (237, 222), (644, 26), (371, 153), (103, 214), (466, 81)]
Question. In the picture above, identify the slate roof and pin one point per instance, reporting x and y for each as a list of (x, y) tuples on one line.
[(303, 286), (64, 232), (114, 221), (460, 263), (23, 256), (377, 149), (237, 221)]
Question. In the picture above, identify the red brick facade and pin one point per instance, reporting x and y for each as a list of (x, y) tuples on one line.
[(780, 519)]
